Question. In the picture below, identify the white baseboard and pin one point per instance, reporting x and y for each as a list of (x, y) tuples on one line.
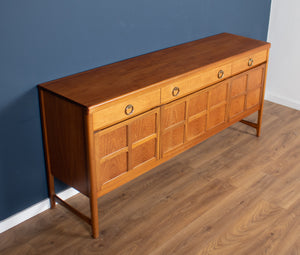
[(295, 104), (33, 211)]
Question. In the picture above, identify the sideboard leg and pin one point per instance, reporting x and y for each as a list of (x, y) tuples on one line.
[(50, 177), (260, 111), (51, 189), (91, 172), (94, 217), (259, 120)]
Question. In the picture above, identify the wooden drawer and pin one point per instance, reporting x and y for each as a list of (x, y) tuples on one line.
[(216, 74), (180, 89), (125, 108), (194, 83), (248, 61)]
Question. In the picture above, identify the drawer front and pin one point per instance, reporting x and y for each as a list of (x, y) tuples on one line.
[(247, 62), (197, 82), (179, 89), (125, 108), (216, 74)]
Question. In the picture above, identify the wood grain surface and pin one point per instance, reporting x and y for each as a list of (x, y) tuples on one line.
[(235, 193), (122, 78)]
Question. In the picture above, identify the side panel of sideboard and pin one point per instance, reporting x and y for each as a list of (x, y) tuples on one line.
[(63, 129)]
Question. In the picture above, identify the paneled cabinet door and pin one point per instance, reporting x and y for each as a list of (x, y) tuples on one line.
[(190, 117), (173, 118), (197, 114), (246, 91), (126, 147), (254, 86), (217, 105)]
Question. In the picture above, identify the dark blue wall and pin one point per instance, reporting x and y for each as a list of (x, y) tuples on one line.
[(45, 40)]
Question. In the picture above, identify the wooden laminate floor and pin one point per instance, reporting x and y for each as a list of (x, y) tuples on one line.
[(232, 194)]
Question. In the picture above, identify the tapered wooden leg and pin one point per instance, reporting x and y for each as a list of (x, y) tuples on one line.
[(259, 121), (51, 189), (257, 125), (91, 172), (50, 178), (94, 217), (260, 111)]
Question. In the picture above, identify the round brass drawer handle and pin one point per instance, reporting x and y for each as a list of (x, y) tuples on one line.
[(175, 91), (220, 74), (129, 109), (250, 62)]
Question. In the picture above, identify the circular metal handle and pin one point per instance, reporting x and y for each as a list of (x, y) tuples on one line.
[(129, 109), (220, 74), (175, 91), (250, 62)]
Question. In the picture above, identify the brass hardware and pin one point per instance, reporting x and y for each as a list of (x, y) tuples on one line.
[(250, 62), (175, 91), (129, 109), (220, 74)]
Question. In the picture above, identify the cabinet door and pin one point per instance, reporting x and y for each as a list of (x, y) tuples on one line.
[(189, 118), (127, 146), (217, 105), (238, 93), (245, 91), (254, 86), (143, 136), (197, 115), (173, 117)]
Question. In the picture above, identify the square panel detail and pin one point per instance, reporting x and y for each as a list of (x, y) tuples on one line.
[(218, 94), (196, 127), (143, 127), (237, 106), (216, 116), (255, 78), (172, 138), (253, 98), (143, 153), (173, 114), (238, 86), (111, 168), (197, 104), (113, 140)]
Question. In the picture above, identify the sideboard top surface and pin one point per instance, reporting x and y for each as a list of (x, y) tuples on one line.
[(97, 86)]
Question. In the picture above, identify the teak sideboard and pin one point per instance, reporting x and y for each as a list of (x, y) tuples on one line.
[(106, 126)]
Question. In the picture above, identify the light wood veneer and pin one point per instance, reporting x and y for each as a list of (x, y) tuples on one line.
[(104, 127)]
